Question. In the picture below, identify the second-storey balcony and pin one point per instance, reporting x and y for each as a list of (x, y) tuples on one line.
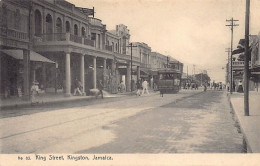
[(144, 65), (239, 64), (108, 48), (13, 38), (57, 37)]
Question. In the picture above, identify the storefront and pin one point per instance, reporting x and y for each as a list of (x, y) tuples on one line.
[(12, 69)]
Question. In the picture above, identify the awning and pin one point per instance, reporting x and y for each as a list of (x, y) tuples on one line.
[(34, 56)]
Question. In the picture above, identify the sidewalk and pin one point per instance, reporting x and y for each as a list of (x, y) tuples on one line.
[(249, 125), (46, 98), (49, 98)]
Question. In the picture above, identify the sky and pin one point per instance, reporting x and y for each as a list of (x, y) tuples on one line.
[(192, 31)]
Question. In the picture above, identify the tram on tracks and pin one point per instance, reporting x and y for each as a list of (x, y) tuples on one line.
[(169, 81)]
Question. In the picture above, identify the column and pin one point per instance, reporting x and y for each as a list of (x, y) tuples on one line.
[(44, 75), (104, 67), (94, 72), (26, 74), (128, 79), (113, 67), (82, 73), (33, 72), (138, 73), (68, 76), (113, 77)]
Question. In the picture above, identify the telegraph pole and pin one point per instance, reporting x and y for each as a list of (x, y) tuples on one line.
[(230, 69), (131, 45), (232, 25), (246, 61)]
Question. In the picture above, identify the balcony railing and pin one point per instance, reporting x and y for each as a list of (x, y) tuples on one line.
[(239, 63), (65, 37), (108, 48), (76, 39), (89, 42), (13, 34), (145, 65)]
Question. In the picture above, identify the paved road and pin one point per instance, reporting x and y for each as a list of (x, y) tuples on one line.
[(148, 124)]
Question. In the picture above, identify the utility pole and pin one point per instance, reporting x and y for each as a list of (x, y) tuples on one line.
[(201, 79), (187, 71), (131, 45), (232, 24), (167, 61), (246, 61), (230, 69)]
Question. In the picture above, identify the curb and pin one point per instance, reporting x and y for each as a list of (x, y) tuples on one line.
[(30, 104), (246, 144)]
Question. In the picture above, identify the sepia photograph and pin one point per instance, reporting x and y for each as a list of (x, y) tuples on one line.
[(129, 82)]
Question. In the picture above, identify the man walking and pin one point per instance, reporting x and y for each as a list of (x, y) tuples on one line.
[(100, 88), (145, 87)]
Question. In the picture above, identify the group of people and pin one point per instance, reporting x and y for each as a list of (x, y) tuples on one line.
[(236, 87), (190, 86), (141, 87)]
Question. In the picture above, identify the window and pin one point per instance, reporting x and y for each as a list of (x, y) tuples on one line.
[(17, 18), (83, 31), (93, 36), (49, 24), (58, 25), (67, 26), (38, 23), (76, 29)]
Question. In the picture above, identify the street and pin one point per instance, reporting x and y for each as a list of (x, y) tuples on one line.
[(186, 122)]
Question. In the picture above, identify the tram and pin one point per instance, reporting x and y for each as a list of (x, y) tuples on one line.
[(169, 81)]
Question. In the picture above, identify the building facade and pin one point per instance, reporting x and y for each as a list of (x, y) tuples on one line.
[(54, 43)]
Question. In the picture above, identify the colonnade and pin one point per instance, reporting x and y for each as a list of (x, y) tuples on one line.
[(82, 73)]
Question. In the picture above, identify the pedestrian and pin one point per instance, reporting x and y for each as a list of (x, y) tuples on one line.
[(228, 86), (78, 87), (100, 88), (34, 91), (188, 85), (145, 87), (205, 86), (139, 88), (240, 87)]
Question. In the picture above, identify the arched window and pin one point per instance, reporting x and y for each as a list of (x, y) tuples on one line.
[(17, 19), (58, 25), (75, 29), (67, 26), (38, 23), (113, 46), (116, 48), (49, 29), (83, 31)]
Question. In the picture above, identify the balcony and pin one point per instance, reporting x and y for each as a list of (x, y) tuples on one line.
[(95, 22), (14, 34), (56, 37), (239, 64), (108, 48), (143, 65)]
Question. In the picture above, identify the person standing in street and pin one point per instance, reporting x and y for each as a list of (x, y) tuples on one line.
[(100, 88), (139, 88), (145, 87), (240, 87)]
